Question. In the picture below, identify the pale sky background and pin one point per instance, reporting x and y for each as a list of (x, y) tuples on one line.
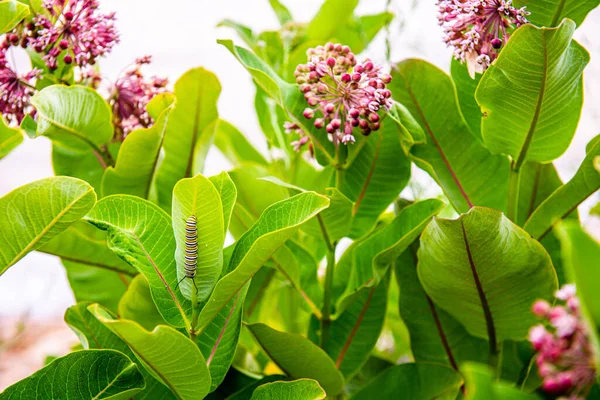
[(181, 34)]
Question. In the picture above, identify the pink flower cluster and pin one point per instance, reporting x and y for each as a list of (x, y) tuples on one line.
[(15, 90), (564, 354), (477, 29), (73, 30), (345, 93), (130, 95)]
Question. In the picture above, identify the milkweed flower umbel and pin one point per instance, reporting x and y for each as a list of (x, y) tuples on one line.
[(130, 95), (477, 29), (341, 93), (15, 90), (564, 354), (74, 30)]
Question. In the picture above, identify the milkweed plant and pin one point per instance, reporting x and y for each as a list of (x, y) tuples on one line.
[(338, 283)]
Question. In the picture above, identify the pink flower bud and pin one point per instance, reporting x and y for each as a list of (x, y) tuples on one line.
[(64, 44), (336, 123), (346, 78), (331, 62), (368, 66), (308, 113), (356, 77), (329, 108), (541, 308), (68, 59), (319, 123)]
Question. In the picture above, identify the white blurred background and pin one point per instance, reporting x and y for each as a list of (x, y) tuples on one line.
[(181, 34)]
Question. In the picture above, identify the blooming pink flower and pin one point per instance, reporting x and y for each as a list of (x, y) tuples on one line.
[(130, 95), (73, 30), (15, 90), (477, 29), (564, 354), (345, 94)]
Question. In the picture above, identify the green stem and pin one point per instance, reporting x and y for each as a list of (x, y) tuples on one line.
[(341, 153), (195, 313), (513, 193), (327, 298)]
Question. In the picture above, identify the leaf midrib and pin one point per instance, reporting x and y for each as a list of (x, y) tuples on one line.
[(109, 384), (38, 237), (538, 107)]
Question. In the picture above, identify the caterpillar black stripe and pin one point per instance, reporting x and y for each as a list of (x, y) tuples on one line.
[(191, 249)]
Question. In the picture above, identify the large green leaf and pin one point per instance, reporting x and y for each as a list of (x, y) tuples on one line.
[(198, 196), (197, 92), (418, 381), (286, 95), (480, 384), (137, 161), (228, 194), (434, 335), (167, 354), (566, 198), (358, 32), (466, 171), (365, 264), (84, 166), (234, 145), (465, 90), (10, 138), (552, 12), (92, 374), (301, 389), (11, 13), (376, 176), (141, 233), (354, 333), (537, 183), (491, 269), (332, 15), (218, 342), (276, 225), (283, 14), (532, 94), (75, 117), (298, 357), (35, 213), (94, 335), (581, 253), (136, 305)]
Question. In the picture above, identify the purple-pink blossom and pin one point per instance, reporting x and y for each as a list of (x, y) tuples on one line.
[(130, 95), (478, 29), (73, 30), (341, 93), (564, 357), (15, 90)]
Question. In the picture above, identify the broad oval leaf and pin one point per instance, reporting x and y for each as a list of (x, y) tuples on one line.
[(141, 233), (11, 13), (94, 335), (198, 197), (197, 92), (235, 146), (491, 269), (74, 117), (418, 381), (10, 138), (298, 357), (332, 15), (467, 172), (100, 374), (465, 91), (137, 161), (301, 389), (34, 213), (167, 354), (275, 226), (375, 176), (228, 194), (567, 197), (533, 93), (552, 12)]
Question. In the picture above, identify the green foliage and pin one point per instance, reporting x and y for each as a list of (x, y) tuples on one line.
[(474, 259), (320, 273), (100, 374), (35, 213)]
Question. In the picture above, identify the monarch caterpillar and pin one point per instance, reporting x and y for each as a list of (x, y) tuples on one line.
[(191, 250)]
